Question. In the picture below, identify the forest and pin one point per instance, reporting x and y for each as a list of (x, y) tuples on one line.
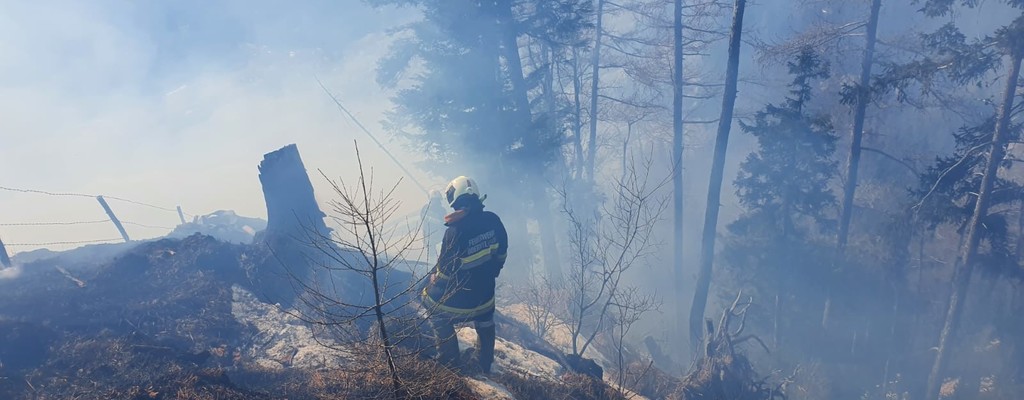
[(840, 178), (669, 199)]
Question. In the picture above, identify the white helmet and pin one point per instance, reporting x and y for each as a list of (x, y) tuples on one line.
[(458, 187)]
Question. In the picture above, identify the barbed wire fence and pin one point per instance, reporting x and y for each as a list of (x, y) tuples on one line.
[(111, 219), (404, 225)]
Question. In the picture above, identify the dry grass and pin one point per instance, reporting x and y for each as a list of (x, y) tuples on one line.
[(649, 381), (571, 387), (366, 378)]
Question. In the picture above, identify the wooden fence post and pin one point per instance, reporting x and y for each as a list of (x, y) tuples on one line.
[(113, 218), (181, 215), (5, 260)]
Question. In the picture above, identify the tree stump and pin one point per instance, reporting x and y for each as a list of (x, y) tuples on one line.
[(291, 207), (294, 223)]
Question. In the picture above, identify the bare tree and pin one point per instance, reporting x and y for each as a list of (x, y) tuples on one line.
[(607, 245), (863, 96), (540, 298), (707, 249), (628, 307), (595, 80), (677, 156), (369, 254), (651, 53)]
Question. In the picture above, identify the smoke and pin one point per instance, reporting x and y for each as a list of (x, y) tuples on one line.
[(219, 86)]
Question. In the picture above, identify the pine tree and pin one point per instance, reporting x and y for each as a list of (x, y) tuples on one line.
[(948, 191), (465, 104), (951, 56), (787, 177), (784, 189)]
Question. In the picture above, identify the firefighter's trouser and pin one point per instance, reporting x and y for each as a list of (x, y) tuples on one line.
[(448, 344)]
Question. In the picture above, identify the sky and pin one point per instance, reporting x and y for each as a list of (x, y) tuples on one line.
[(175, 103)]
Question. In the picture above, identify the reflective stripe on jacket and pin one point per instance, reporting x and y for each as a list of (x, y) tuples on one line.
[(473, 252)]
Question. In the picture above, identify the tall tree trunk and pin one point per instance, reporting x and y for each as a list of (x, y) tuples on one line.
[(493, 43), (549, 241), (777, 317), (1020, 233), (677, 163), (707, 250), (521, 260), (969, 248), (853, 162), (595, 79), (541, 200), (577, 122), (514, 63)]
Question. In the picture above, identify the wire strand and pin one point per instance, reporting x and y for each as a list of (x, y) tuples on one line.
[(72, 194), (54, 223), (145, 226), (62, 243), (45, 192), (141, 203), (374, 138)]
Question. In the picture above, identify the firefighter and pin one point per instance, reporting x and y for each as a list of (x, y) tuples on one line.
[(461, 285)]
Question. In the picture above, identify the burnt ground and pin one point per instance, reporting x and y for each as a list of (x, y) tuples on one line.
[(153, 323), (156, 322)]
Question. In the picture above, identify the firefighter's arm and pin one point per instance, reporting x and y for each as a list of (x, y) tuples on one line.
[(448, 260)]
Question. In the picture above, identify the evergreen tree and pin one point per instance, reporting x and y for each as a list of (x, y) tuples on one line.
[(784, 189), (786, 179), (948, 191), (950, 55), (473, 98)]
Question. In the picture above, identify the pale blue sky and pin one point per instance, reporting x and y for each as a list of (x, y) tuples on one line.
[(175, 102)]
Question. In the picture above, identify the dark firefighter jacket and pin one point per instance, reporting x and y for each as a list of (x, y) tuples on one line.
[(472, 254)]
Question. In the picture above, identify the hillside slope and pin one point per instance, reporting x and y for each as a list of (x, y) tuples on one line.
[(180, 319)]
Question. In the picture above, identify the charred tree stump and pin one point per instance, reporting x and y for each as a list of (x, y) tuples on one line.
[(723, 372), (294, 221), (291, 207)]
